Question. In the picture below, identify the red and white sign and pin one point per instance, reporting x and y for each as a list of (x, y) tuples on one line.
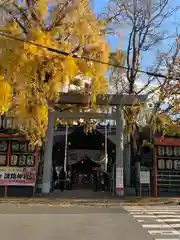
[(17, 176), (119, 178)]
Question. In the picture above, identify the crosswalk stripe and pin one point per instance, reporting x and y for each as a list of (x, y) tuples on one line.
[(168, 216), (144, 216), (152, 210), (164, 232), (168, 220), (151, 206), (141, 220), (154, 216), (177, 209), (175, 225), (167, 238), (156, 226), (163, 223), (155, 212)]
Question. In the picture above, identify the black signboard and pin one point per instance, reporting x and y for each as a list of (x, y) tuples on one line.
[(3, 160), (23, 147), (3, 146), (22, 160), (15, 146), (30, 160), (14, 160)]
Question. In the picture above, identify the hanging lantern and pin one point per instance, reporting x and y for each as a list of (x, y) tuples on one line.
[(169, 164), (161, 151), (176, 151), (161, 164), (177, 164), (169, 151)]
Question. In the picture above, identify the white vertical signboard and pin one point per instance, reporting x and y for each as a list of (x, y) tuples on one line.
[(119, 180), (144, 177)]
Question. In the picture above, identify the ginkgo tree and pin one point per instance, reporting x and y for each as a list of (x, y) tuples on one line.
[(143, 25), (32, 74), (165, 114)]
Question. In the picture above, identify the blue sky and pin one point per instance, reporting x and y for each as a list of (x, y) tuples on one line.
[(149, 57)]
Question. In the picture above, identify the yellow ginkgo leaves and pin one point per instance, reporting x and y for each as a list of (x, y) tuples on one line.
[(38, 75), (5, 95)]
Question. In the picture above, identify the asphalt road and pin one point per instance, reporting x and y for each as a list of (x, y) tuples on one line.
[(45, 222)]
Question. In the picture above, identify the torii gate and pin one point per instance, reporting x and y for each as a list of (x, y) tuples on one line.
[(72, 98)]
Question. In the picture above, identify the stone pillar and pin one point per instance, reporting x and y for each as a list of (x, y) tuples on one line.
[(47, 168), (127, 164), (119, 152)]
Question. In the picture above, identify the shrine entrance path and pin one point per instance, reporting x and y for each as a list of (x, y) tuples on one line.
[(80, 194)]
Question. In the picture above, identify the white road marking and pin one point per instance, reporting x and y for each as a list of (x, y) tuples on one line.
[(141, 220), (145, 216), (175, 225), (161, 222), (167, 238), (154, 212), (168, 216), (139, 213), (156, 226), (164, 232), (167, 220), (153, 208), (154, 216)]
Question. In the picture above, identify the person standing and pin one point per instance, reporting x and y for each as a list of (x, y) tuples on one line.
[(62, 179), (95, 178), (69, 176), (106, 181), (102, 186), (55, 177)]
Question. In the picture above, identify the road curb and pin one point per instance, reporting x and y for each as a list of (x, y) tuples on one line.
[(80, 202)]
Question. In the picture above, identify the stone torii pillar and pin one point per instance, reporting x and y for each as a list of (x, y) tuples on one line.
[(47, 167)]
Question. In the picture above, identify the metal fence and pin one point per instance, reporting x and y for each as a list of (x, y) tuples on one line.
[(168, 183)]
